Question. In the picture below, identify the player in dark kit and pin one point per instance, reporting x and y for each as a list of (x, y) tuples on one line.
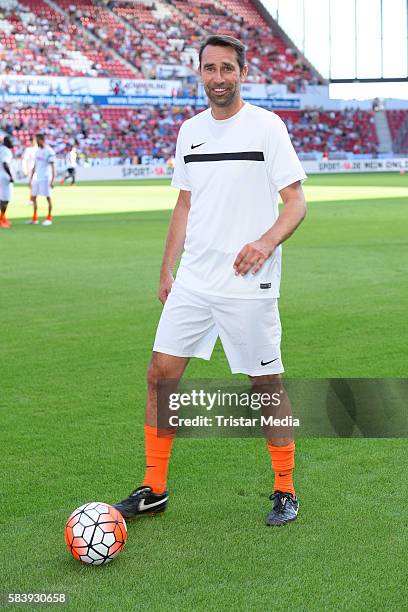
[(232, 162)]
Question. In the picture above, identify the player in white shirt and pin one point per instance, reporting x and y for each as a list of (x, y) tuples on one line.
[(27, 163), (44, 170), (71, 164), (6, 180), (232, 162)]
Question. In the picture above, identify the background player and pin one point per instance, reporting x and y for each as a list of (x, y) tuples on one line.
[(232, 160), (71, 164), (6, 180), (44, 169), (27, 163)]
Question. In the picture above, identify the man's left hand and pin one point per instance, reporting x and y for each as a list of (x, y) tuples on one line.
[(252, 257)]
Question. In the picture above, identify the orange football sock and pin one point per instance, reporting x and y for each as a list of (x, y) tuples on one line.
[(283, 464), (158, 450), (35, 217), (2, 215)]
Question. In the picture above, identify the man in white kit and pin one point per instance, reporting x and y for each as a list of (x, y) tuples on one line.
[(6, 180), (71, 160), (232, 161), (44, 170), (28, 161)]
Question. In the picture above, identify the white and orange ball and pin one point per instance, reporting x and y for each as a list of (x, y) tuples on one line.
[(95, 533)]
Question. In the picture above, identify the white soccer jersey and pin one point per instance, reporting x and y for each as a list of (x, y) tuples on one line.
[(6, 156), (28, 160), (44, 157), (234, 169), (71, 159)]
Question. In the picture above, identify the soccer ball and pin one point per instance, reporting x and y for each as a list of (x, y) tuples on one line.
[(95, 533)]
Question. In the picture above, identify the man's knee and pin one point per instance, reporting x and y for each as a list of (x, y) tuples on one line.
[(157, 371), (153, 374), (165, 367)]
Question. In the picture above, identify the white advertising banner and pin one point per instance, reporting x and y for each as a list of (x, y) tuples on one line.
[(356, 165), (16, 84), (105, 172), (311, 167), (115, 173)]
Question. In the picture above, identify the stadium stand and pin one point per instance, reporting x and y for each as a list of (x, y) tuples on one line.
[(148, 130), (103, 23), (37, 39), (177, 27), (175, 35), (350, 131), (398, 123), (277, 63), (101, 132)]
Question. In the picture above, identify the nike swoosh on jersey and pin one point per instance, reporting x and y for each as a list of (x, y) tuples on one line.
[(199, 145)]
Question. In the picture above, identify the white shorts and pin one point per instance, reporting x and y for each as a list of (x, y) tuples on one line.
[(41, 188), (249, 330), (6, 190)]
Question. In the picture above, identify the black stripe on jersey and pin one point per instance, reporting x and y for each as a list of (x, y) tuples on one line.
[(209, 157)]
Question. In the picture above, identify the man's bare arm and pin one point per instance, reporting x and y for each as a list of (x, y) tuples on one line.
[(253, 255), (52, 174), (8, 171), (174, 243)]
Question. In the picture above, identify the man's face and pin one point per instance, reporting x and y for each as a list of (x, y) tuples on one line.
[(220, 75), (40, 142)]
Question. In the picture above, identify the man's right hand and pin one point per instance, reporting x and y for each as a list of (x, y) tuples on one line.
[(166, 282)]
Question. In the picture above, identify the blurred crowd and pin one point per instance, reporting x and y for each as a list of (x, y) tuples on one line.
[(131, 133), (333, 131), (36, 40)]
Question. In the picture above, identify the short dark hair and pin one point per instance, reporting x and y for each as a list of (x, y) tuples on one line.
[(40, 136), (225, 41), (8, 142)]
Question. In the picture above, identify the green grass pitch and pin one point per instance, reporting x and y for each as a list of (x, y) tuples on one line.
[(78, 316)]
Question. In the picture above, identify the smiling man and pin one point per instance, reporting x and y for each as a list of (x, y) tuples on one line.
[(232, 161)]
